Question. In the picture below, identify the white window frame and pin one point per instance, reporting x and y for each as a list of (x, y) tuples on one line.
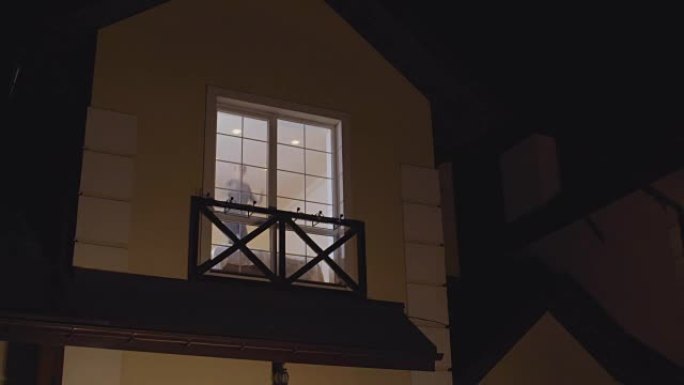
[(271, 110)]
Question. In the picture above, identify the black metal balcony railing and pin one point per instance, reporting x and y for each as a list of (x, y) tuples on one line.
[(221, 214)]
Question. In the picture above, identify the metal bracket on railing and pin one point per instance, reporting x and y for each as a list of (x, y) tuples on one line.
[(319, 214), (227, 209), (336, 225), (249, 212), (298, 210)]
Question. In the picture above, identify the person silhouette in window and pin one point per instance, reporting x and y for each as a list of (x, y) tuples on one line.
[(239, 192)]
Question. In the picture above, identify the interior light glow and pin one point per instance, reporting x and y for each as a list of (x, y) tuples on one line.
[(237, 131), (295, 142)]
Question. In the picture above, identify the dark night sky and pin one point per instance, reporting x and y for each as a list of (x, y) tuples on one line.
[(532, 63), (535, 64)]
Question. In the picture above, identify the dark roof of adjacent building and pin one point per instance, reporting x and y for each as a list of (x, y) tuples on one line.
[(225, 319)]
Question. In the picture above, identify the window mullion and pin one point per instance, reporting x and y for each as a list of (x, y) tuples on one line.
[(272, 161), (272, 140), (336, 177)]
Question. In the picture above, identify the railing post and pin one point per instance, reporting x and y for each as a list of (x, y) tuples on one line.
[(193, 238), (282, 273), (361, 255)]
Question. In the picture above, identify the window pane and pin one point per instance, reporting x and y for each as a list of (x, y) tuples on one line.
[(255, 153), (238, 263), (315, 274), (228, 175), (319, 138), (314, 208), (319, 164), (224, 195), (216, 250), (261, 242), (251, 182), (229, 124), (318, 274), (325, 210), (254, 183), (327, 273), (228, 148), (218, 238), (290, 185), (319, 190), (294, 245), (256, 129), (291, 205), (294, 263), (290, 133), (323, 241), (290, 158)]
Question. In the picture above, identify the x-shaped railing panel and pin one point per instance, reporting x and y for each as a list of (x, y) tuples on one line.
[(238, 243), (284, 221), (322, 255)]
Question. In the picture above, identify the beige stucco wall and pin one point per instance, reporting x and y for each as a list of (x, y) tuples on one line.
[(547, 354), (633, 274), (156, 66), (86, 366), (151, 369), (316, 375)]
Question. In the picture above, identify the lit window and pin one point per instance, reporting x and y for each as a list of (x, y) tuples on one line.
[(270, 157)]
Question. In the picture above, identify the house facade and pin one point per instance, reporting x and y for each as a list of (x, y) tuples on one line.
[(257, 155)]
